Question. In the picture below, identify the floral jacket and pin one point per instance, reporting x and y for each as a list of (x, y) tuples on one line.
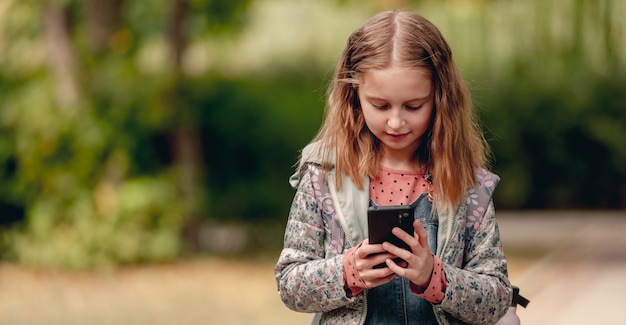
[(324, 221)]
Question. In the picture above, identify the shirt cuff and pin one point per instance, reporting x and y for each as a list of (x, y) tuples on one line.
[(353, 282), (434, 291)]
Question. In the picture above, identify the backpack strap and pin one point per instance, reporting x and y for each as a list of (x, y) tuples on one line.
[(326, 207), (478, 200)]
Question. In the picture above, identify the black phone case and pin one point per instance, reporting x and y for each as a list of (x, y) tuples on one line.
[(381, 219)]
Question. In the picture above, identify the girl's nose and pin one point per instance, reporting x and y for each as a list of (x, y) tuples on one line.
[(396, 121)]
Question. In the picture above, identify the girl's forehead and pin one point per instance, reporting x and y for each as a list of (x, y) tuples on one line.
[(395, 71), (398, 84)]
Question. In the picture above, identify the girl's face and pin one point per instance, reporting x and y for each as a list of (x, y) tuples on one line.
[(397, 105)]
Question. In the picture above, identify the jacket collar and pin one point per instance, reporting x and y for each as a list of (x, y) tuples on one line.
[(351, 202)]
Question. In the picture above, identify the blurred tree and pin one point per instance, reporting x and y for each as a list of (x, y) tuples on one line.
[(185, 140), (87, 155), (102, 19), (61, 56)]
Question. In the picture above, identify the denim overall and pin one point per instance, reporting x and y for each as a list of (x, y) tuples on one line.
[(393, 302)]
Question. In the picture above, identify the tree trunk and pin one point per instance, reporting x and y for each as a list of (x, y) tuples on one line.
[(185, 141), (61, 56), (102, 18)]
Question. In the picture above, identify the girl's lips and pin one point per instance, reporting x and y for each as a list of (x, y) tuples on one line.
[(397, 136)]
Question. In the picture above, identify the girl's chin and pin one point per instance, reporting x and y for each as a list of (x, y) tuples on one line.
[(401, 146)]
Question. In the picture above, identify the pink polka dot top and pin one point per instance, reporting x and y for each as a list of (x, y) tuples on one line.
[(398, 187)]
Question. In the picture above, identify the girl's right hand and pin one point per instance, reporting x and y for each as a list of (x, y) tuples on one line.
[(366, 258)]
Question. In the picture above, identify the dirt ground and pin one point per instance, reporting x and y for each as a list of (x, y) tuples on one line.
[(206, 291)]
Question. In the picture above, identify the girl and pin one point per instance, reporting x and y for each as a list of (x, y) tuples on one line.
[(398, 130)]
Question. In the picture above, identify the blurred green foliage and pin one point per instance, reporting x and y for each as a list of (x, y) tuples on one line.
[(252, 130), (559, 145), (98, 179)]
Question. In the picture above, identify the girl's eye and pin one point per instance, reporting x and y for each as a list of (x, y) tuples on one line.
[(381, 107), (413, 108)]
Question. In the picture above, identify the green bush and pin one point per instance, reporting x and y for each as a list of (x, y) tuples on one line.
[(558, 144), (89, 200), (110, 226), (252, 131)]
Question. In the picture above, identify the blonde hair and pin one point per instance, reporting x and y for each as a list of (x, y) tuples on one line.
[(453, 147)]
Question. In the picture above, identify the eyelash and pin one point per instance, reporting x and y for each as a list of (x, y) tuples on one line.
[(411, 108)]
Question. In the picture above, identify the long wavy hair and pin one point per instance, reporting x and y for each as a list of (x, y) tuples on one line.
[(453, 147)]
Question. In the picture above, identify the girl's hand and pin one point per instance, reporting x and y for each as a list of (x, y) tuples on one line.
[(366, 257), (419, 260)]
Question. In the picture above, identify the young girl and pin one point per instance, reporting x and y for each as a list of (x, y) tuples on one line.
[(399, 130)]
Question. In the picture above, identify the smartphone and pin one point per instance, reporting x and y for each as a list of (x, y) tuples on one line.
[(380, 221)]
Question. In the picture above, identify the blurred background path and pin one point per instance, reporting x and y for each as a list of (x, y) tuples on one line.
[(571, 265), (580, 277)]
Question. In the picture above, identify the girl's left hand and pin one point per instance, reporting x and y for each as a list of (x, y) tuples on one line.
[(419, 260)]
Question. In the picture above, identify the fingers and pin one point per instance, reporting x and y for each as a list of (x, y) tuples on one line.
[(374, 278), (421, 233), (418, 271), (395, 268), (366, 258), (417, 265), (365, 249), (418, 241)]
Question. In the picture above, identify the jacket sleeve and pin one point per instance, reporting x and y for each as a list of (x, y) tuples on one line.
[(307, 279), (479, 292)]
